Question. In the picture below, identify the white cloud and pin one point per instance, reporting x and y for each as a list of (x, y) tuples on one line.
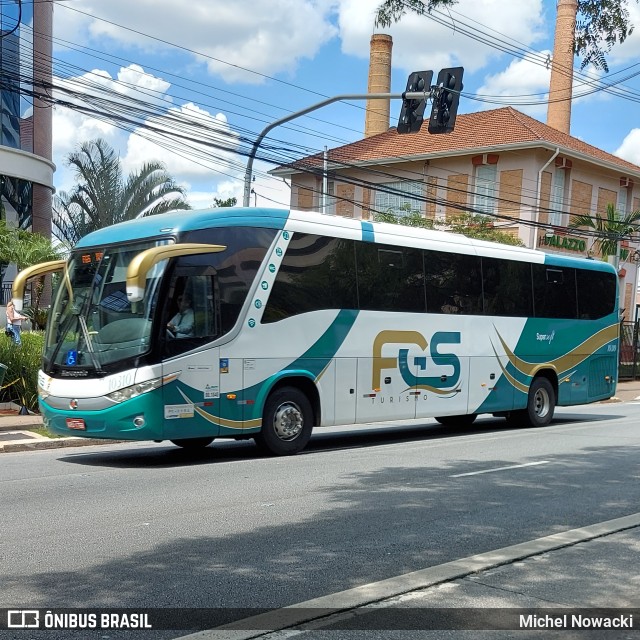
[(630, 148), (526, 81), (522, 82), (190, 141), (71, 126), (267, 36), (205, 149), (421, 43)]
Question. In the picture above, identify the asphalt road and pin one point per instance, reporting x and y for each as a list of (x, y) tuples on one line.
[(150, 525)]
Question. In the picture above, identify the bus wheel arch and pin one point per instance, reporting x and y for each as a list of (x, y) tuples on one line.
[(290, 412)]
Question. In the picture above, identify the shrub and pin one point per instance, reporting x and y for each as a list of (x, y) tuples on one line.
[(20, 384)]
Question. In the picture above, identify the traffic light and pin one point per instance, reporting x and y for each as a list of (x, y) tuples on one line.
[(411, 114), (445, 100)]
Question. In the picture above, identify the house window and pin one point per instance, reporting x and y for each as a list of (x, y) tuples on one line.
[(331, 198), (484, 201), (400, 198), (557, 198), (622, 205)]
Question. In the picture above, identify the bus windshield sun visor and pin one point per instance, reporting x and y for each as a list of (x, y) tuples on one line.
[(142, 263)]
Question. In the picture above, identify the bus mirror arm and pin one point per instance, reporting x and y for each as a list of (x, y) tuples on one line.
[(142, 262), (20, 281)]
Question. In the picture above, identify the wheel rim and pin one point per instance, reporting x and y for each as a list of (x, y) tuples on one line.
[(541, 403), (288, 421)]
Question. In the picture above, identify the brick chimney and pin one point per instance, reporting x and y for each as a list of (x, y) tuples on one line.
[(559, 109), (377, 114)]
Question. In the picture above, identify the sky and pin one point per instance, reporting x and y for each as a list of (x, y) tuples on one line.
[(207, 76)]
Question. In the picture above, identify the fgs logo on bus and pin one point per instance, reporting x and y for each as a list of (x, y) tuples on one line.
[(438, 357)]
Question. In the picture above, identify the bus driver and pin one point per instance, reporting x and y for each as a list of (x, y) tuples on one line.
[(181, 325)]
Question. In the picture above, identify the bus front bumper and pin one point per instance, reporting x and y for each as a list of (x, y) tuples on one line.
[(139, 418)]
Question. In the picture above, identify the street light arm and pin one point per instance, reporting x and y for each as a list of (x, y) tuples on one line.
[(417, 95)]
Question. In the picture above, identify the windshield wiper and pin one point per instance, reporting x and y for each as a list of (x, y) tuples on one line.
[(87, 339)]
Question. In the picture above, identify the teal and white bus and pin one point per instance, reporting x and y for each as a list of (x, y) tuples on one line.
[(303, 320)]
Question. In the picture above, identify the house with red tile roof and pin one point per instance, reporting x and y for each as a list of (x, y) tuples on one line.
[(528, 177)]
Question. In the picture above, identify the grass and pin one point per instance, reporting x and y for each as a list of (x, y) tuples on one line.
[(43, 431)]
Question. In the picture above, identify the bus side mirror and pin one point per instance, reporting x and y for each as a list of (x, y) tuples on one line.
[(141, 264)]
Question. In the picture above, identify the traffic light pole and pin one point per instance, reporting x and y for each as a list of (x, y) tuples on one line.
[(414, 95)]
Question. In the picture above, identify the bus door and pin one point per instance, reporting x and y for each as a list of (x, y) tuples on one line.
[(192, 395)]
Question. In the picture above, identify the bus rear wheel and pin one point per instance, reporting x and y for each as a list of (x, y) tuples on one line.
[(193, 443), (460, 421), (287, 422), (541, 404)]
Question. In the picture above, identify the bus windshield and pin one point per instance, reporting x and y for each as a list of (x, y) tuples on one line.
[(92, 322)]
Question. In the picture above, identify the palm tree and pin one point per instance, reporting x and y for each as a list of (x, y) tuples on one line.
[(609, 231), (103, 196)]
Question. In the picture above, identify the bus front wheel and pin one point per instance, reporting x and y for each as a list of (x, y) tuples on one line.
[(193, 443), (287, 422)]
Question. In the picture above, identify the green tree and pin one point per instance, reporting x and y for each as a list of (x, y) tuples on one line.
[(411, 218), (600, 24), (467, 224), (610, 230), (480, 227), (229, 202), (24, 249), (103, 196)]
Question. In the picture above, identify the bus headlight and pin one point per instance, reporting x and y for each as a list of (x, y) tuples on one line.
[(134, 390)]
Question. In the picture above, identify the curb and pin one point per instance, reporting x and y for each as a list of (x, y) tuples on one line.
[(324, 609)]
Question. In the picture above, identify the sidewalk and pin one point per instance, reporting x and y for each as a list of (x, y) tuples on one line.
[(572, 580), (16, 434)]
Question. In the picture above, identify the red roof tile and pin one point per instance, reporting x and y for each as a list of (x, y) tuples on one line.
[(474, 132)]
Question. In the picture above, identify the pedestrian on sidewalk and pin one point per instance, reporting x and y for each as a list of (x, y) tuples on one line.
[(14, 322)]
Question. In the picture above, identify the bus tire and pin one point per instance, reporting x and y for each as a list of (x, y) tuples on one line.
[(460, 421), (287, 422), (541, 404), (193, 443)]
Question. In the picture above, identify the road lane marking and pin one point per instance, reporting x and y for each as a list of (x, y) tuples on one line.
[(513, 466)]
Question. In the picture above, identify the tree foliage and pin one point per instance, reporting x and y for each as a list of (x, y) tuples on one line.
[(600, 24), (609, 230), (228, 202), (103, 196), (391, 11), (24, 249), (467, 224)]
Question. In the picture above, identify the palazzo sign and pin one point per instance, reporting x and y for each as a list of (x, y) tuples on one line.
[(564, 242)]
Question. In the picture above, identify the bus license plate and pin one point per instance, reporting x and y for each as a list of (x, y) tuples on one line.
[(76, 423)]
